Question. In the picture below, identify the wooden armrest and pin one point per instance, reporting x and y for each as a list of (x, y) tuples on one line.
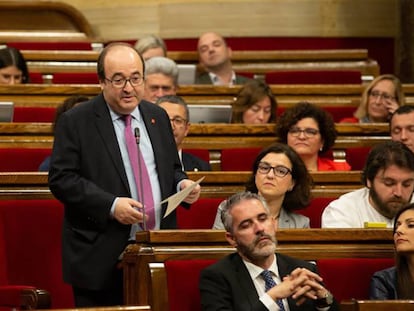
[(24, 297)]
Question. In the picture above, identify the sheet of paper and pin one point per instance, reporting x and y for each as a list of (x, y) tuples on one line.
[(177, 198)]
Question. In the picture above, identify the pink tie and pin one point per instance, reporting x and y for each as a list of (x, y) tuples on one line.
[(142, 179)]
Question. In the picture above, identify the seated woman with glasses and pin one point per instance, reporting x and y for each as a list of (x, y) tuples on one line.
[(281, 177), (379, 101), (311, 132)]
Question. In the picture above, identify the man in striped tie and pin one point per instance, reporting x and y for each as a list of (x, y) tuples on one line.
[(255, 277)]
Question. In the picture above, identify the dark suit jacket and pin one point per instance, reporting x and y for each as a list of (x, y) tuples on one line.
[(227, 285), (204, 78), (191, 163), (87, 173), (384, 284)]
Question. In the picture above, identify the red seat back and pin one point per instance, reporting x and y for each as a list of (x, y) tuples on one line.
[(22, 159), (337, 112), (339, 273), (200, 215), (182, 282), (238, 159), (356, 157), (33, 229), (314, 77), (75, 78), (57, 45), (34, 114), (314, 210)]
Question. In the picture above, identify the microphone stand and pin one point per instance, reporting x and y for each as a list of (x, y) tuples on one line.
[(141, 187)]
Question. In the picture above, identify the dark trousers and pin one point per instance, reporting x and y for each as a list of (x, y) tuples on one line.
[(99, 298)]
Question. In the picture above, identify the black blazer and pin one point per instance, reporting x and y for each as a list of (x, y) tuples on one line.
[(204, 78), (193, 163), (227, 285), (87, 173)]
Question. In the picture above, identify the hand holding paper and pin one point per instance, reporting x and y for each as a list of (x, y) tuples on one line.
[(176, 199)]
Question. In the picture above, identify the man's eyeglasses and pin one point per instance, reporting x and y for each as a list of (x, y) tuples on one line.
[(380, 95), (178, 121), (120, 83), (278, 170), (164, 88), (308, 132)]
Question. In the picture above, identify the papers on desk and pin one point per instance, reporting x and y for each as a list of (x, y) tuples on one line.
[(177, 198)]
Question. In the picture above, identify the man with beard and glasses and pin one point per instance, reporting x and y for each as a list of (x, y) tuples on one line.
[(255, 277), (388, 177)]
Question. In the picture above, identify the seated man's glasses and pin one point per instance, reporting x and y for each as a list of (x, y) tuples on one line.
[(178, 121), (278, 170), (308, 132), (120, 82)]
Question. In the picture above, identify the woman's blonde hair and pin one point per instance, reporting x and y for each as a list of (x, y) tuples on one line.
[(362, 109)]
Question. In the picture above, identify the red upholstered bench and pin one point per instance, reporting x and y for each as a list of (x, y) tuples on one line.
[(182, 283), (32, 247), (75, 78), (314, 210), (238, 159), (337, 112), (349, 278), (356, 157), (314, 77), (200, 215), (34, 114), (22, 159)]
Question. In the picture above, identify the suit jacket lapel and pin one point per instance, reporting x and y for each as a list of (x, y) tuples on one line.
[(245, 281), (106, 131)]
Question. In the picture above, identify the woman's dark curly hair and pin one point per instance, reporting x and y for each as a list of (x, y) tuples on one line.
[(303, 110), (299, 197)]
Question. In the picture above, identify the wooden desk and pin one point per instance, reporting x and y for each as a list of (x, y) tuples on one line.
[(308, 244), (377, 305)]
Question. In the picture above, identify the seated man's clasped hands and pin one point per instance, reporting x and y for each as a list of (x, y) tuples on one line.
[(255, 277)]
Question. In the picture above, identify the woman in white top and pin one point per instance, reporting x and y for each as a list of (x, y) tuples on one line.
[(281, 177)]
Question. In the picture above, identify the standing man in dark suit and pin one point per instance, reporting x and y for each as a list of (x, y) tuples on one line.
[(91, 174), (237, 282), (215, 56), (177, 110)]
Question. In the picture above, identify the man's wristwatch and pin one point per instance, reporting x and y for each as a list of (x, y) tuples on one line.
[(325, 301)]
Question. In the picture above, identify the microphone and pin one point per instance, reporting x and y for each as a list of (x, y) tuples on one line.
[(137, 135), (141, 188)]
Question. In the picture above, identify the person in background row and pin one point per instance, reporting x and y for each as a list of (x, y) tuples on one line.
[(281, 178), (96, 177), (215, 56), (161, 78), (398, 282), (151, 46), (13, 68), (311, 132), (256, 277), (177, 110), (388, 177), (67, 104), (402, 126), (254, 104), (379, 100)]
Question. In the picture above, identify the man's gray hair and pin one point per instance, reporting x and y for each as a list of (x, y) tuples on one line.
[(162, 65), (235, 199)]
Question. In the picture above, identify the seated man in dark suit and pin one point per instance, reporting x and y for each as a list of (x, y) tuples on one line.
[(215, 57), (255, 278), (177, 110)]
